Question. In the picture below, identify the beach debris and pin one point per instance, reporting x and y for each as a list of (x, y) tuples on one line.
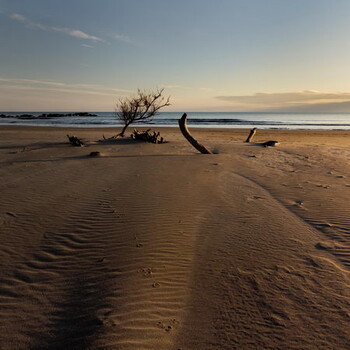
[(75, 141), (108, 139), (94, 154), (270, 143), (147, 136), (189, 137), (251, 135)]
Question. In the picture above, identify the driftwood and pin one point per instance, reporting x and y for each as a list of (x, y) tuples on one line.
[(109, 139), (94, 154), (251, 135), (147, 136), (189, 137), (270, 143), (75, 141)]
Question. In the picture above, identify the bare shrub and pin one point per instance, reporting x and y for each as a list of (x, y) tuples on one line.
[(143, 106)]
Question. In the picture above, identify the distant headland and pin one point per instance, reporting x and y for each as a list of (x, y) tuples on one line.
[(49, 115)]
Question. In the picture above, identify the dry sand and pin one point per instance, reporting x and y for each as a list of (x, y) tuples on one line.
[(157, 247)]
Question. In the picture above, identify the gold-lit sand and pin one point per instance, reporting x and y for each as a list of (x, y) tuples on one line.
[(158, 247)]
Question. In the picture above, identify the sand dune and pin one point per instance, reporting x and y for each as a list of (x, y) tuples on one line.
[(158, 247)]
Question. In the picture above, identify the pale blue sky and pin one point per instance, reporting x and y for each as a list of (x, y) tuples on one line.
[(208, 54)]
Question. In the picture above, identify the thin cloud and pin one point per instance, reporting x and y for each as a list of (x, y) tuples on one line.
[(300, 100), (65, 90), (169, 86), (76, 33), (122, 38), (30, 81), (33, 84), (89, 46), (18, 17)]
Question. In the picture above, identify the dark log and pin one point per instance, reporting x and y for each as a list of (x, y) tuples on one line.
[(75, 141), (251, 135), (189, 137), (94, 154), (270, 143)]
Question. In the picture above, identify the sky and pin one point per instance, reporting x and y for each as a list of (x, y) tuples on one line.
[(208, 55)]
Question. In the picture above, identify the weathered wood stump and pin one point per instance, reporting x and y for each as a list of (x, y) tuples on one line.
[(251, 135), (75, 141), (189, 137)]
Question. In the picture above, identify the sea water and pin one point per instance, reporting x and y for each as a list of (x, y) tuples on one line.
[(196, 119)]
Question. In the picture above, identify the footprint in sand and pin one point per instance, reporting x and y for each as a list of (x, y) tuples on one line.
[(323, 186), (326, 228), (106, 320), (298, 203), (168, 326), (326, 224), (254, 198), (312, 262), (324, 246), (146, 271)]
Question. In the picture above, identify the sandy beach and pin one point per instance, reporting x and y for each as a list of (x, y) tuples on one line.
[(158, 247)]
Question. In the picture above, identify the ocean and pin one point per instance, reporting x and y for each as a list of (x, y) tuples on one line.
[(195, 119)]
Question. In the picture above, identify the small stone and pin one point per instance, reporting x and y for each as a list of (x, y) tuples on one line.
[(95, 154)]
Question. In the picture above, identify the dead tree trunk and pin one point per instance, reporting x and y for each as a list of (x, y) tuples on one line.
[(122, 133), (189, 137), (251, 135)]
